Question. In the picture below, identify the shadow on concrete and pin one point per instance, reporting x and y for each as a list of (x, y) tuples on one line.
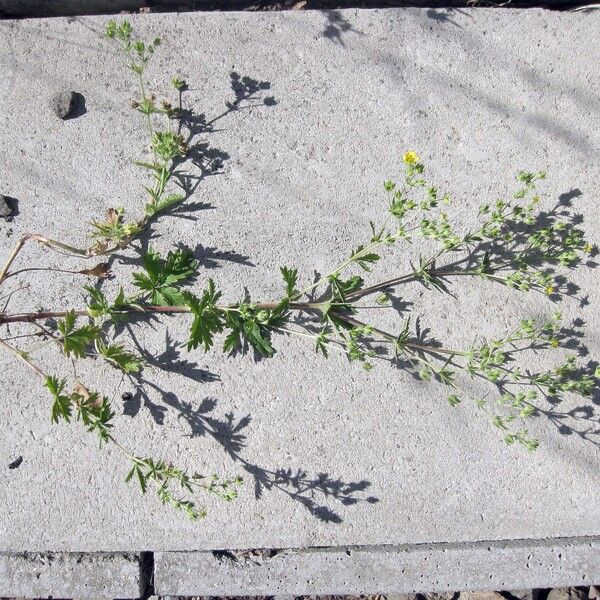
[(530, 122), (201, 161), (444, 15), (313, 492), (490, 256), (205, 158), (308, 490), (337, 27), (228, 432)]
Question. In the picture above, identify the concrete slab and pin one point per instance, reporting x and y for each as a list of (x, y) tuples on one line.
[(54, 575), (332, 456), (389, 570)]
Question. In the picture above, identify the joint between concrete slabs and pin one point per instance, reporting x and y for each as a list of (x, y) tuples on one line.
[(399, 569), (327, 570)]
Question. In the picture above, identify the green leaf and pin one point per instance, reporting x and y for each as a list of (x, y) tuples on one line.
[(111, 29), (290, 276), (364, 260), (147, 165), (114, 228), (168, 144), (321, 343), (453, 399), (207, 317), (153, 208), (233, 339), (403, 336), (163, 277), (95, 413), (76, 341), (340, 288), (484, 265), (279, 315), (253, 324), (137, 471), (254, 334), (178, 83), (98, 304), (61, 408), (122, 358), (383, 299)]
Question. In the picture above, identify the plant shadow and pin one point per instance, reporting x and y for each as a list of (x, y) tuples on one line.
[(228, 432), (582, 420), (337, 27), (201, 161), (313, 492), (498, 257)]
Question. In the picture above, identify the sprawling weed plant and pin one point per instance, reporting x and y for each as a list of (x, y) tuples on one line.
[(514, 245)]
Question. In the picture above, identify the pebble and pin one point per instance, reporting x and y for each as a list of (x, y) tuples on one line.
[(566, 594), (64, 104), (483, 595), (5, 207)]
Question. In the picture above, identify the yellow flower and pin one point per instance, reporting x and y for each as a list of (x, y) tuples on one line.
[(550, 290), (588, 248), (554, 343), (410, 158)]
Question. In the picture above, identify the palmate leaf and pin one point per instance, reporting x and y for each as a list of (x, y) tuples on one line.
[(122, 358), (95, 413), (290, 277), (364, 260), (208, 318), (99, 305), (234, 337), (76, 341), (253, 324), (164, 277), (61, 408), (254, 333), (163, 204), (340, 288)]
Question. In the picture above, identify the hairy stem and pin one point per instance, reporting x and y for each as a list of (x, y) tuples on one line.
[(61, 314), (23, 357)]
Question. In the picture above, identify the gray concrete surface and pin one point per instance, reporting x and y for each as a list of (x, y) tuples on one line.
[(388, 570), (332, 456), (49, 575)]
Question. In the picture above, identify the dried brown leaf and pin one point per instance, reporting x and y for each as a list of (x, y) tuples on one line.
[(81, 390), (101, 271), (112, 216)]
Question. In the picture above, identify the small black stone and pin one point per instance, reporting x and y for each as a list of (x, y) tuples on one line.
[(5, 207), (126, 396), (15, 464)]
